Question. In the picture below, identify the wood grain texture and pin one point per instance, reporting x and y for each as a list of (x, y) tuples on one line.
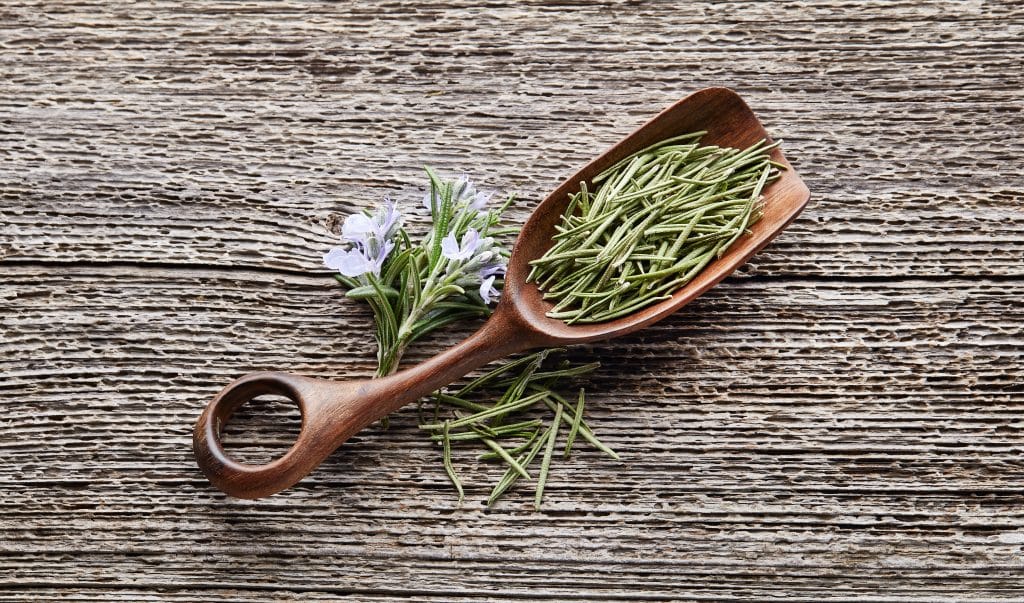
[(840, 421)]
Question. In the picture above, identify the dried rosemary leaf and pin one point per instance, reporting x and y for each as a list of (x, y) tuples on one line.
[(655, 220)]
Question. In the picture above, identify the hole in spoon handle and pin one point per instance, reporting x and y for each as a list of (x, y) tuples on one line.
[(244, 480)]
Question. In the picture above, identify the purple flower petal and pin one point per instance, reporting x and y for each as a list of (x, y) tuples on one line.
[(487, 290), (378, 262), (461, 251), (470, 243), (370, 238), (357, 228), (461, 187), (332, 259), (350, 262), (355, 264), (450, 247), (387, 219), (496, 269), (480, 201)]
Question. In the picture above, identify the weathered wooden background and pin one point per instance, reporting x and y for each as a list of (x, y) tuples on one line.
[(842, 420)]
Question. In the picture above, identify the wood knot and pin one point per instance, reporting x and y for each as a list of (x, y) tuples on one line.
[(334, 222)]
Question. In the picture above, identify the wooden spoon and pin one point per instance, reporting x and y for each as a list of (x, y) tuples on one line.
[(333, 411)]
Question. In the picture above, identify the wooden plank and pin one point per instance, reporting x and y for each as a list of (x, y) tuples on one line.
[(224, 174), (839, 421), (873, 457)]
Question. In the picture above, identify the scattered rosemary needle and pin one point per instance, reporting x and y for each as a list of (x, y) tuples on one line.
[(655, 220), (448, 461), (503, 410), (545, 464), (576, 420)]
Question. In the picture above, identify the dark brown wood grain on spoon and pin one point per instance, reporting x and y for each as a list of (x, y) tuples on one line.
[(333, 411)]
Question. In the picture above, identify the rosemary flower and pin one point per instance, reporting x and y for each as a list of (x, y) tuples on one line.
[(371, 238), (454, 250)]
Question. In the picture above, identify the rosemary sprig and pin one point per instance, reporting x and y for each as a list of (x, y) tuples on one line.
[(415, 288), (655, 220)]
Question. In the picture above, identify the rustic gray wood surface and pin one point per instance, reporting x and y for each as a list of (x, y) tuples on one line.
[(841, 420)]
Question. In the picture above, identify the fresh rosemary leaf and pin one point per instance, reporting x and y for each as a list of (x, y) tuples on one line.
[(492, 412), (449, 469), (369, 291), (501, 369), (512, 463), (511, 475), (575, 371), (584, 430), (491, 456), (511, 430), (577, 420), (545, 464)]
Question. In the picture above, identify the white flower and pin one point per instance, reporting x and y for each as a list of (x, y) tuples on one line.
[(480, 201), (355, 261), (462, 188), (487, 290), (334, 257), (366, 230), (455, 251), (358, 228), (371, 239), (463, 194), (350, 262)]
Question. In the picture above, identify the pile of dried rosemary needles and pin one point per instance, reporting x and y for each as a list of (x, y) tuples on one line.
[(506, 426), (654, 221)]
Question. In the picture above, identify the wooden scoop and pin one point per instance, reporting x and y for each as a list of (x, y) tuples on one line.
[(333, 411)]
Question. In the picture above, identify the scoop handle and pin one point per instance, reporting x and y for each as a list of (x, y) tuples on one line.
[(333, 411)]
